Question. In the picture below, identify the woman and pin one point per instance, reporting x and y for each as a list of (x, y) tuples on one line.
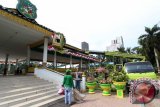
[(68, 85)]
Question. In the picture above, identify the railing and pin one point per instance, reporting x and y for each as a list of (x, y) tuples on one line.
[(54, 76), (51, 76)]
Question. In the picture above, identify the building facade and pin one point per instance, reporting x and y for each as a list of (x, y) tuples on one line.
[(116, 43), (85, 46)]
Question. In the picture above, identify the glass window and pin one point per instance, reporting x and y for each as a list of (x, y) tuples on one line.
[(139, 67)]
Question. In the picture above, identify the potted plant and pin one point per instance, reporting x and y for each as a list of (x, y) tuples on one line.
[(119, 80), (91, 84), (110, 67), (106, 86)]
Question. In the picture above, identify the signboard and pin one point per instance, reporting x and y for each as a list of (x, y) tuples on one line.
[(26, 8)]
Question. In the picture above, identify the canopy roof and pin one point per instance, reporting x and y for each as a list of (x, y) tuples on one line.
[(17, 32)]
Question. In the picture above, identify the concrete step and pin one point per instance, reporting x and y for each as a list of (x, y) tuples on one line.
[(49, 102), (39, 101), (22, 85), (23, 94), (26, 98), (25, 89)]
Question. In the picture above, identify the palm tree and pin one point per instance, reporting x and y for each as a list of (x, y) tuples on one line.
[(149, 43), (137, 50), (121, 49), (128, 50)]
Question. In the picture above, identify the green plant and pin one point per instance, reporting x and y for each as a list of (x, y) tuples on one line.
[(106, 81), (90, 79), (118, 76), (110, 67)]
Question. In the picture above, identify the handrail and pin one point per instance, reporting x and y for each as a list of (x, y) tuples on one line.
[(55, 71)]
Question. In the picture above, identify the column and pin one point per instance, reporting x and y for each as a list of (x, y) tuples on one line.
[(5, 66), (28, 55), (55, 59), (81, 64), (94, 65), (16, 63), (70, 61), (83, 83), (16, 67), (45, 51), (65, 66), (9, 66), (89, 65)]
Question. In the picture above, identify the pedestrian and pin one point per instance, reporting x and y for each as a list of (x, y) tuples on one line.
[(68, 85), (78, 80)]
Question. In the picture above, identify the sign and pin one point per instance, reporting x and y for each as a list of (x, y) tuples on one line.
[(26, 8), (58, 40), (120, 93)]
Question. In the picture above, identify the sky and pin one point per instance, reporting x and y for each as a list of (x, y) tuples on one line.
[(96, 21)]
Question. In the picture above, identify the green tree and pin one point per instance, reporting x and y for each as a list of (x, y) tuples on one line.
[(129, 50), (121, 49), (149, 43), (137, 50)]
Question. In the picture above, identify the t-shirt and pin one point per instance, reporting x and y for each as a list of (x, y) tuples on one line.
[(68, 81)]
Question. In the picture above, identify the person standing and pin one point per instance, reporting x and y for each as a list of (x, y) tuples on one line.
[(68, 85), (78, 80)]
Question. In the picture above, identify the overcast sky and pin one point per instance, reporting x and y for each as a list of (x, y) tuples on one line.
[(96, 21)]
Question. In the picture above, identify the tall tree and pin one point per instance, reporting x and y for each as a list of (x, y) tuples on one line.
[(128, 50), (121, 49), (149, 43), (137, 50)]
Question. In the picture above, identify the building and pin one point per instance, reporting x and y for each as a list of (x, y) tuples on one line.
[(85, 46), (117, 43)]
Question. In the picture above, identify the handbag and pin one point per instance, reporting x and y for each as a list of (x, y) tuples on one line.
[(61, 91)]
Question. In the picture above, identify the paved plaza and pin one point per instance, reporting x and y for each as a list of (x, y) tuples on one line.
[(97, 100)]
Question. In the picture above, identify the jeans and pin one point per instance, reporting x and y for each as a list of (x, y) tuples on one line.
[(78, 84), (68, 95)]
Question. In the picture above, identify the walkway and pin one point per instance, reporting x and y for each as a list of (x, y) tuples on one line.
[(97, 100)]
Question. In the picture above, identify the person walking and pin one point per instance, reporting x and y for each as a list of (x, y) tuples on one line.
[(68, 85)]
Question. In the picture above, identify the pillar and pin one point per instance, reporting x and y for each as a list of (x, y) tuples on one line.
[(89, 65), (9, 66), (28, 55), (55, 59), (83, 83), (5, 66), (65, 66), (81, 64), (16, 64), (45, 51), (70, 61), (15, 72)]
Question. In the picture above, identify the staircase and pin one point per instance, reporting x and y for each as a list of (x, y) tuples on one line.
[(27, 91)]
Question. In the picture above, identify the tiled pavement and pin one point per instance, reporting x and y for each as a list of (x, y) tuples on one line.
[(59, 104), (97, 100)]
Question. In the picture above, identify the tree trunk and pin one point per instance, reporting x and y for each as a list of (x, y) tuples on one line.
[(156, 57)]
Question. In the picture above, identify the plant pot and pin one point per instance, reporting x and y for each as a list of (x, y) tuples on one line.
[(106, 89), (91, 86), (120, 86)]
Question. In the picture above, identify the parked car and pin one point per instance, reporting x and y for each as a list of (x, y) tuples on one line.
[(138, 70)]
